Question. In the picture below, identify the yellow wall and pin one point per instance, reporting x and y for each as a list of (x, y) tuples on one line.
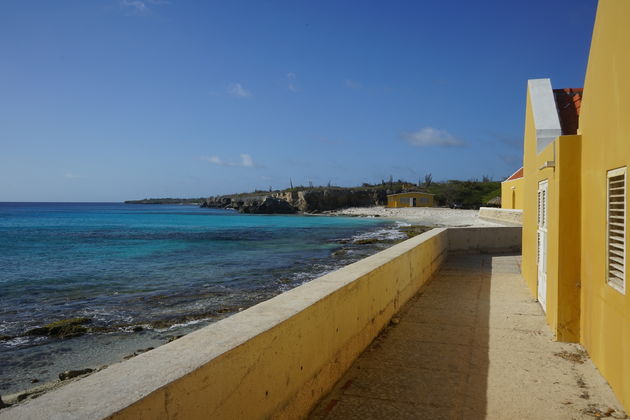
[(577, 205), (530, 190), (605, 128), (563, 238), (563, 235), (394, 200), (567, 287), (512, 194)]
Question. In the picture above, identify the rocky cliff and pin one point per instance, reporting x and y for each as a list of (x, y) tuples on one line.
[(254, 205), (331, 199), (307, 201)]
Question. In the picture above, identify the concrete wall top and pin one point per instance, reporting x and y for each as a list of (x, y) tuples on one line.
[(513, 211), (510, 217), (546, 118)]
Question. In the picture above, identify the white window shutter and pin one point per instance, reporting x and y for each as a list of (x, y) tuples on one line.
[(616, 229)]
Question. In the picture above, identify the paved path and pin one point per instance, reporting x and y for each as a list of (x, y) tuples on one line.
[(473, 344)]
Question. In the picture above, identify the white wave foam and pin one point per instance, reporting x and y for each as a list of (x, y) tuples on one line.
[(20, 341), (385, 234), (182, 324)]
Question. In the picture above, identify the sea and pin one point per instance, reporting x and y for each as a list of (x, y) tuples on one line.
[(147, 274)]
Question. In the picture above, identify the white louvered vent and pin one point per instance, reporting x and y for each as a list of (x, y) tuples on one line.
[(542, 221), (538, 224), (616, 229)]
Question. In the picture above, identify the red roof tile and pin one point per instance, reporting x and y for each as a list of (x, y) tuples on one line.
[(568, 103), (516, 175)]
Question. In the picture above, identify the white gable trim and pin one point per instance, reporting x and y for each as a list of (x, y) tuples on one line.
[(545, 113)]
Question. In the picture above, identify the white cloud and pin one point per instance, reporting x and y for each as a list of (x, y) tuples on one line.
[(291, 82), (213, 159), (139, 7), (245, 162), (70, 175), (430, 136), (352, 84), (237, 90)]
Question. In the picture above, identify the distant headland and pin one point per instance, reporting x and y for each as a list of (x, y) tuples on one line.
[(469, 194)]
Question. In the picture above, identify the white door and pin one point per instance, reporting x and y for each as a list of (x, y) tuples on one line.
[(542, 243)]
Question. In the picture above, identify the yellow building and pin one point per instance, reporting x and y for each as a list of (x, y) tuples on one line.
[(512, 191), (410, 199), (576, 154)]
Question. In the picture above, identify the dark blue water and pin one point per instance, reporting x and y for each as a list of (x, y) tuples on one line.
[(160, 267)]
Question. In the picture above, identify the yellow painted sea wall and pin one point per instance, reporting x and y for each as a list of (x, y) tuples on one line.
[(275, 359), (512, 194), (605, 129)]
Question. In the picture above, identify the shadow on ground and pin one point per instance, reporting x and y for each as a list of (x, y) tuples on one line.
[(472, 344)]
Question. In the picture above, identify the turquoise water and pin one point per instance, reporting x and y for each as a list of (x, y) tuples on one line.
[(162, 268)]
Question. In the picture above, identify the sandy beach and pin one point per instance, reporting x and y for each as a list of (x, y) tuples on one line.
[(427, 216)]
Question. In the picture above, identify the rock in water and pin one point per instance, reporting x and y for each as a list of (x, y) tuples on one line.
[(69, 374), (367, 241), (217, 202), (272, 205), (65, 328), (2, 404), (340, 252)]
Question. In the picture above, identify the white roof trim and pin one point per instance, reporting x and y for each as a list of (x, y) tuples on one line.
[(546, 119)]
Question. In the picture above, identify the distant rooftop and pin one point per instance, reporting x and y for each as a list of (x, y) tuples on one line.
[(409, 192), (568, 102)]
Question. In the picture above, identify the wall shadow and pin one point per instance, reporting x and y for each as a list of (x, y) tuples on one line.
[(433, 359)]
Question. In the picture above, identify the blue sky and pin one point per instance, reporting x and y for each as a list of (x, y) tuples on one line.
[(107, 100)]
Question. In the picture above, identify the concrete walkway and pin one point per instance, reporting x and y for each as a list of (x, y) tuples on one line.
[(473, 344)]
